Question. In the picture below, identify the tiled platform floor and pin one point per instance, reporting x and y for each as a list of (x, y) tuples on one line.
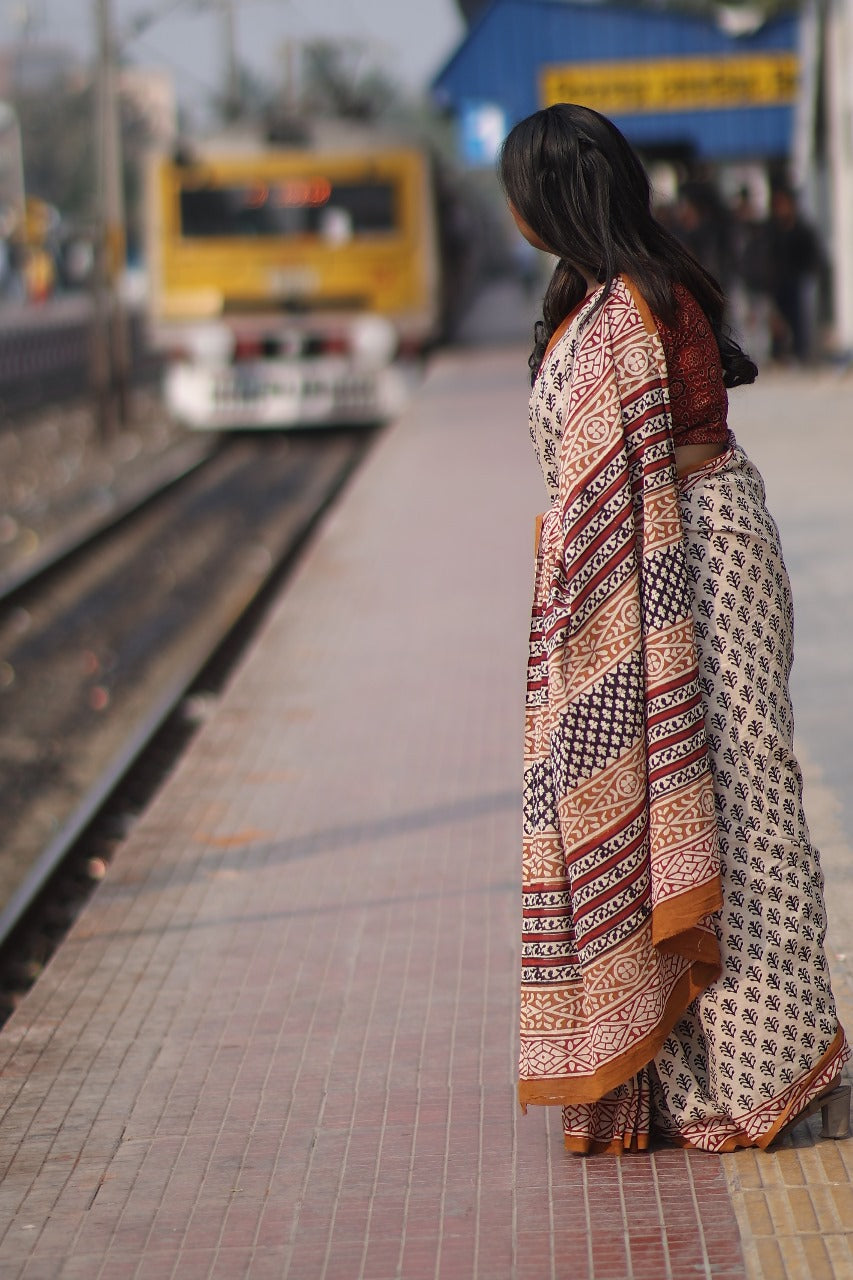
[(280, 1041)]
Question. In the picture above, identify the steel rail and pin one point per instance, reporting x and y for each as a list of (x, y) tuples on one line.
[(158, 481), (305, 516)]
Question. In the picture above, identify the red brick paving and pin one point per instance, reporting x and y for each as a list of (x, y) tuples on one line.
[(280, 1041)]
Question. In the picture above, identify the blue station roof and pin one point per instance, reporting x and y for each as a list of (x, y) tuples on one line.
[(503, 55)]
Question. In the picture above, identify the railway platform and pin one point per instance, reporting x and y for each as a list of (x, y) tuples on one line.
[(280, 1039)]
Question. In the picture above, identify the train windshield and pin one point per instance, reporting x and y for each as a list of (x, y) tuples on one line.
[(295, 206)]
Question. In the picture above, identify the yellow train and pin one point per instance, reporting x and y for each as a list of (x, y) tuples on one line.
[(284, 283)]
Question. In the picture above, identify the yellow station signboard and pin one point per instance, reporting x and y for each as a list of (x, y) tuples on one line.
[(634, 86)]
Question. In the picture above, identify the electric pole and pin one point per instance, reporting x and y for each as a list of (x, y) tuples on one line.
[(233, 96), (111, 356)]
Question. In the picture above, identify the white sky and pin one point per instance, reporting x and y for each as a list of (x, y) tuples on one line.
[(409, 38)]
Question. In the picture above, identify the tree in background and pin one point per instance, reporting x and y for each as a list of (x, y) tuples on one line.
[(59, 161), (338, 80)]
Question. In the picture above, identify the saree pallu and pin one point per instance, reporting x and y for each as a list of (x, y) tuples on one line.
[(673, 976)]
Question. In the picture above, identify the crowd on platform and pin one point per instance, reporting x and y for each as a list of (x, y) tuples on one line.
[(772, 266), (771, 263)]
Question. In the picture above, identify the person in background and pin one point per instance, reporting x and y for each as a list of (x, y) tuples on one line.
[(749, 291), (795, 259), (703, 225), (674, 981)]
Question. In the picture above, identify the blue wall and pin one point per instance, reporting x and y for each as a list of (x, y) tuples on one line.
[(500, 60)]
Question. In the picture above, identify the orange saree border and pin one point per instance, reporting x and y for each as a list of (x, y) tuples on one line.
[(822, 1076), (566, 1090)]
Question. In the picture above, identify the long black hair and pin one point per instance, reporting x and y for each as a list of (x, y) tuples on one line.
[(579, 185)]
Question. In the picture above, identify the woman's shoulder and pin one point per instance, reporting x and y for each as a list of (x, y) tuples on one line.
[(685, 302), (689, 324), (685, 308)]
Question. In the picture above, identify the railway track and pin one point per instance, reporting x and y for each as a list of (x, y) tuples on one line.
[(98, 648)]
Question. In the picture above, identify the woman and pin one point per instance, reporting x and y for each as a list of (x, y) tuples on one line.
[(674, 980)]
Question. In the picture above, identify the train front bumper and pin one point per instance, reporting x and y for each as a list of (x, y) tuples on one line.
[(271, 393)]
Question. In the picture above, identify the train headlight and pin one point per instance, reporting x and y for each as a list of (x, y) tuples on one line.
[(210, 343), (374, 341)]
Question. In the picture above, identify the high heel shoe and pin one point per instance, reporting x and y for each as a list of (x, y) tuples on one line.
[(834, 1108)]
